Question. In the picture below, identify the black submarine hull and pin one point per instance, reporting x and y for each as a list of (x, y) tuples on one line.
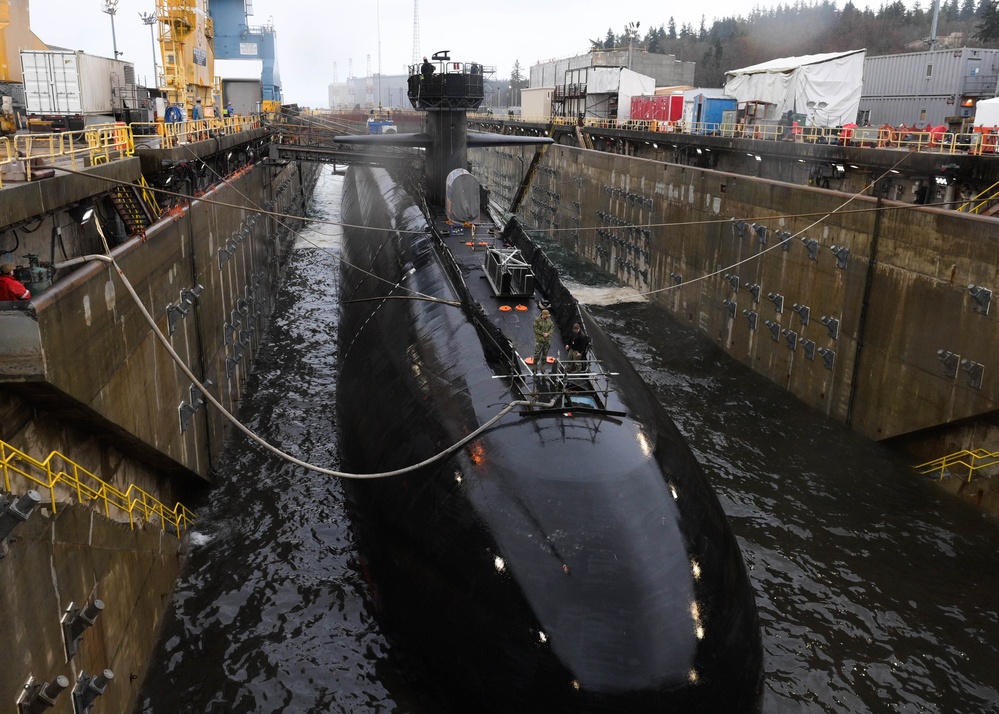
[(562, 561)]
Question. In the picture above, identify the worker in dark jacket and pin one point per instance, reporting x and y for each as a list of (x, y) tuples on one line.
[(576, 349), (426, 69), (10, 287)]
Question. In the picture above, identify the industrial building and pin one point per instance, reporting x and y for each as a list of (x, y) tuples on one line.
[(601, 83), (666, 70), (928, 88)]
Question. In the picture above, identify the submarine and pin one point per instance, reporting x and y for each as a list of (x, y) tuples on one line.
[(568, 555)]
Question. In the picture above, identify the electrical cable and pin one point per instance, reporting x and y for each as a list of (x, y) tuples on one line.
[(778, 244), (259, 440)]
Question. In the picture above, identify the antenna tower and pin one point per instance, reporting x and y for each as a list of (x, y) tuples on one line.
[(370, 93), (416, 31), (351, 93)]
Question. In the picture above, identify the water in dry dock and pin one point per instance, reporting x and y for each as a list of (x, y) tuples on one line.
[(877, 592)]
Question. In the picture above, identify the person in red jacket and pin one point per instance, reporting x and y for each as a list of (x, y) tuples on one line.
[(10, 287)]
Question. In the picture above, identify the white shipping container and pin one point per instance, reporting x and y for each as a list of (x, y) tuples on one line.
[(537, 101), (65, 82), (987, 113)]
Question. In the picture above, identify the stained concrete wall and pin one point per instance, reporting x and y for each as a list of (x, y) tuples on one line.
[(82, 373), (688, 236), (83, 352), (55, 561)]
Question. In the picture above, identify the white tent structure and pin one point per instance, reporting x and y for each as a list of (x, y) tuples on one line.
[(987, 112), (826, 87), (602, 83)]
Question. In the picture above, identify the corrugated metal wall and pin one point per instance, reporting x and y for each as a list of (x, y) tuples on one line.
[(927, 87)]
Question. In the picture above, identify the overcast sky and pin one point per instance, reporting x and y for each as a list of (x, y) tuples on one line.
[(316, 36)]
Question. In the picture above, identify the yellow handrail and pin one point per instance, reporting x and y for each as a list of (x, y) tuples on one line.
[(8, 154), (990, 194), (965, 458), (135, 503), (110, 141)]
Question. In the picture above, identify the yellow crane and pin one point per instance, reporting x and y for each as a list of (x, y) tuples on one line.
[(188, 53)]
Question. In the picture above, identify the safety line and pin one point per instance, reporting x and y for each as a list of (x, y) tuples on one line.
[(259, 440)]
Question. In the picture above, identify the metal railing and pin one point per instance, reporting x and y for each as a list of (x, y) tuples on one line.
[(970, 460), (101, 143), (187, 132), (59, 473), (8, 155), (982, 201), (977, 142)]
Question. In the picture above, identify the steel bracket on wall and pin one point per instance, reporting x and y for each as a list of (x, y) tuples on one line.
[(982, 298)]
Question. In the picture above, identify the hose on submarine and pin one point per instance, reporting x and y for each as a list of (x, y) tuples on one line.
[(259, 440)]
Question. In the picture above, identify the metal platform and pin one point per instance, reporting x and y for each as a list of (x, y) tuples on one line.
[(582, 385), (345, 155)]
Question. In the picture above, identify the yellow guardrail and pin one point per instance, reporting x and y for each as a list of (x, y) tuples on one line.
[(982, 201), (69, 478), (187, 132), (109, 141), (970, 460), (7, 155), (66, 147), (101, 143)]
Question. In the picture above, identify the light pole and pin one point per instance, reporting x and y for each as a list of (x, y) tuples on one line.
[(149, 18), (111, 7)]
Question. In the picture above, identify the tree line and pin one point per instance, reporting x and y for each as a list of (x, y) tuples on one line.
[(805, 28)]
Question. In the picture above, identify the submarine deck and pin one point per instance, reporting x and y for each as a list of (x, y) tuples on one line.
[(484, 260), (515, 313)]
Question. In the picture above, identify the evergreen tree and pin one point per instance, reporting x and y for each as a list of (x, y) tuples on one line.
[(517, 75), (671, 28), (655, 40), (517, 82), (609, 41), (988, 27), (967, 9)]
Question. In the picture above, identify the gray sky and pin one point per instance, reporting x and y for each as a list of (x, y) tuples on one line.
[(313, 35)]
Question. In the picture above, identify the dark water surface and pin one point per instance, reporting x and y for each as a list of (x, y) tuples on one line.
[(877, 591)]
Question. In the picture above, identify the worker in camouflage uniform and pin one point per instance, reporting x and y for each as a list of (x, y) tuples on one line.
[(543, 329)]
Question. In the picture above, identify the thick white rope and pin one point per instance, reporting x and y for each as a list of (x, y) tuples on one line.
[(259, 440)]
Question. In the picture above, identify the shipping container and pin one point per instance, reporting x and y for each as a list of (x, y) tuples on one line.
[(70, 90), (929, 87), (667, 108), (709, 113), (537, 101)]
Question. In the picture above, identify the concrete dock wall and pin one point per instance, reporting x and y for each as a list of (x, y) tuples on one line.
[(85, 355), (58, 561), (741, 258), (82, 373)]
